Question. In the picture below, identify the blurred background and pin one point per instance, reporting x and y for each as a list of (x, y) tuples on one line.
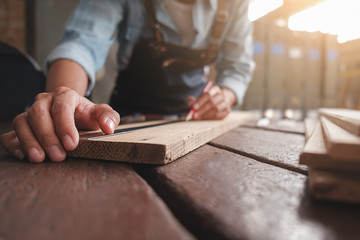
[(307, 51)]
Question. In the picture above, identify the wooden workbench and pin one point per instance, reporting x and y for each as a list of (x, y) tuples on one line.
[(246, 184)]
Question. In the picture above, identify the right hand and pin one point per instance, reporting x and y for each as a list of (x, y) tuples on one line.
[(50, 127)]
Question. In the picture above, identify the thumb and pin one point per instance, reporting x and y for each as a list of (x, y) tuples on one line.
[(94, 116)]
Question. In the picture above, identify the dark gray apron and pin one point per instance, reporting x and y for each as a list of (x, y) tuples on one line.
[(160, 76)]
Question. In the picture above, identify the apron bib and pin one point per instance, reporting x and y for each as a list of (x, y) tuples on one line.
[(160, 76)]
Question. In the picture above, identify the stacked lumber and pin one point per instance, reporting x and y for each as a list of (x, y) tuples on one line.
[(332, 154)]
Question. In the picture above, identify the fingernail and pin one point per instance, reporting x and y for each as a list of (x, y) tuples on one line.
[(196, 106), (111, 124), (68, 142), (34, 154), (19, 154), (55, 154), (196, 115)]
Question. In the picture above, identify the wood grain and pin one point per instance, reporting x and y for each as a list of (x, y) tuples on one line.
[(222, 195), (276, 148), (80, 199), (346, 118), (158, 145), (315, 154), (339, 142)]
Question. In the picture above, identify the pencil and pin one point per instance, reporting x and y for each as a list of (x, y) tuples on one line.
[(191, 113)]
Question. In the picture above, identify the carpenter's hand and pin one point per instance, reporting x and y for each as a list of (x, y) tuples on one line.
[(50, 126), (213, 104)]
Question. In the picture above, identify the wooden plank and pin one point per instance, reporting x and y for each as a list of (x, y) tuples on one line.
[(80, 199), (276, 148), (332, 184), (282, 125), (346, 118), (335, 185), (314, 154), (339, 142), (222, 195), (310, 124), (158, 145), (286, 125)]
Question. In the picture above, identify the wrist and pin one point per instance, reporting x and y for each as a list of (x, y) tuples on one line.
[(66, 73)]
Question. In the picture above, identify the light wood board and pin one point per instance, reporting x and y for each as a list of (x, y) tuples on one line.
[(310, 124), (339, 142), (158, 145), (326, 181), (314, 153), (346, 118)]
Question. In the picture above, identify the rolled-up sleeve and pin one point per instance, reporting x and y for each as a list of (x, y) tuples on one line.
[(89, 35), (236, 64)]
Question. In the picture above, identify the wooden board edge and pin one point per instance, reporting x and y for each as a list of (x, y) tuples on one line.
[(215, 132), (129, 153), (324, 160), (338, 149), (334, 185), (342, 121), (310, 124)]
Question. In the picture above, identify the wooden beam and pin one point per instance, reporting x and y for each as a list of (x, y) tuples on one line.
[(314, 154), (335, 185), (310, 124), (158, 145), (339, 142), (327, 180), (346, 118)]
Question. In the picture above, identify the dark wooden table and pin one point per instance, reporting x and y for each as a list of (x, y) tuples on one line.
[(246, 184)]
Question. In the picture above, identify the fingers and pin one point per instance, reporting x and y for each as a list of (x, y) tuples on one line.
[(28, 142), (41, 120), (107, 118), (62, 112), (71, 111), (95, 116), (50, 126), (190, 101), (10, 143), (211, 105)]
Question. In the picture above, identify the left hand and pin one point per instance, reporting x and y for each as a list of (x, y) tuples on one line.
[(213, 104)]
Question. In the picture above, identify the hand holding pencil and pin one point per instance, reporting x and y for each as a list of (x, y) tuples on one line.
[(213, 103)]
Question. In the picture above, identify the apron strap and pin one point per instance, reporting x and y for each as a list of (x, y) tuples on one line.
[(218, 28), (155, 25)]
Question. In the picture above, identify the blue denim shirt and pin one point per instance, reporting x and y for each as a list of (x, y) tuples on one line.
[(90, 32)]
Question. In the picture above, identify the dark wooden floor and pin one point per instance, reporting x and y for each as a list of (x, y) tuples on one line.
[(246, 184)]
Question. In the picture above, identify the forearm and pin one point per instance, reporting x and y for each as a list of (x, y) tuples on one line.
[(67, 73)]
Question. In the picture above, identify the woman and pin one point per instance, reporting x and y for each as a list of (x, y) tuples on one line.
[(163, 48)]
